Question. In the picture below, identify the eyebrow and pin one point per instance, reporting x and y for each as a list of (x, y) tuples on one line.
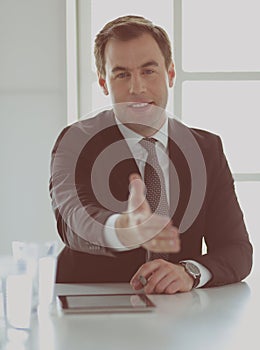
[(147, 64), (150, 63)]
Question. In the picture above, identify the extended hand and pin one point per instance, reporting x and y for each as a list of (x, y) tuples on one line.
[(162, 277), (139, 226)]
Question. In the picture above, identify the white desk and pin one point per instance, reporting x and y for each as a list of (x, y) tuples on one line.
[(206, 319)]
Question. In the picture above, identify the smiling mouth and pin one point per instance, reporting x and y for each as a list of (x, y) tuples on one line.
[(140, 104)]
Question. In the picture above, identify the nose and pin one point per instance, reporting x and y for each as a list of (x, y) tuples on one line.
[(137, 85)]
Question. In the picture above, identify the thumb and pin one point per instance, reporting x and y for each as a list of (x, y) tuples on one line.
[(136, 200)]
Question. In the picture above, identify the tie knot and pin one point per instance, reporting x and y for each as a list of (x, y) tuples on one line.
[(148, 144)]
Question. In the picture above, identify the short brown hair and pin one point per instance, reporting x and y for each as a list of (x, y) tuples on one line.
[(126, 28)]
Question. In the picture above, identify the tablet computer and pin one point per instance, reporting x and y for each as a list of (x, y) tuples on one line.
[(105, 303)]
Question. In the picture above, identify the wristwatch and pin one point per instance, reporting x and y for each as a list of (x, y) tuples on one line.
[(193, 271)]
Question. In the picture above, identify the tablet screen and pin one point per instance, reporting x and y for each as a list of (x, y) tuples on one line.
[(105, 303)]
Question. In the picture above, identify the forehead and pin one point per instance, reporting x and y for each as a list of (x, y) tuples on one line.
[(132, 53)]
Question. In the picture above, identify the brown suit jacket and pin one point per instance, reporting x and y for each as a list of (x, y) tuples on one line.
[(91, 161)]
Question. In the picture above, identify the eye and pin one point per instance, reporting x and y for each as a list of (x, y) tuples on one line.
[(148, 71), (122, 75)]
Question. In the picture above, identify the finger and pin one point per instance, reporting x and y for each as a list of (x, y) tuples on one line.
[(155, 279), (146, 270), (166, 236), (138, 282), (166, 242), (173, 288), (152, 225), (165, 282), (164, 245), (170, 232)]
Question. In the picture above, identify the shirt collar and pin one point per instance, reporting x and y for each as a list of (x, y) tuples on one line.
[(132, 138)]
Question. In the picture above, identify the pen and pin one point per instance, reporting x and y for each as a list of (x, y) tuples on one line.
[(143, 280)]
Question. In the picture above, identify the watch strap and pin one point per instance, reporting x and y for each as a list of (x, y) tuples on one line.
[(195, 276)]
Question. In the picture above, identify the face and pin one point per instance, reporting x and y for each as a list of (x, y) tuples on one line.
[(137, 81)]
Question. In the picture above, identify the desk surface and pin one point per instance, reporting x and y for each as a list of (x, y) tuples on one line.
[(223, 318)]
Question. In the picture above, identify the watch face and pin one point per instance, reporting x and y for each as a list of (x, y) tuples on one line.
[(193, 269)]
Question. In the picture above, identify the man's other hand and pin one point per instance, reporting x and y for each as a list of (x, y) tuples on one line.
[(162, 277)]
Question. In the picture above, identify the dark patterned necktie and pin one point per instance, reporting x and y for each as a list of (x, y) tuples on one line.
[(155, 187)]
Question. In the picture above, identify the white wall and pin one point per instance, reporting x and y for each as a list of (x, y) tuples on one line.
[(32, 112)]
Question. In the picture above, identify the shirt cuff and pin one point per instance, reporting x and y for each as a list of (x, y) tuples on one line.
[(205, 273), (110, 235)]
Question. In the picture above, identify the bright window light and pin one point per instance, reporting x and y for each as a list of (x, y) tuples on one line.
[(230, 109), (221, 35)]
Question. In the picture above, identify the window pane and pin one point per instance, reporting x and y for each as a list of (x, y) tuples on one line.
[(232, 110), (221, 35)]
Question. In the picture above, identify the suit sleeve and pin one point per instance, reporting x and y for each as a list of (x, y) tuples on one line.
[(229, 252), (80, 220)]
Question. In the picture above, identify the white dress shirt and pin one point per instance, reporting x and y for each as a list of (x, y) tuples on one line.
[(140, 156)]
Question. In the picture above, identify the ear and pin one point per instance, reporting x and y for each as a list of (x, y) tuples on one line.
[(171, 74), (102, 84)]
